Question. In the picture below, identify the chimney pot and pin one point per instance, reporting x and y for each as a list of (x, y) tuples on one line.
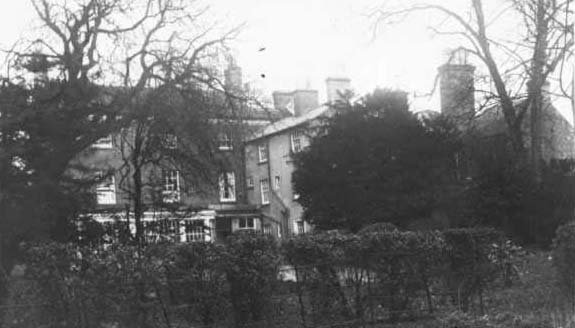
[(336, 86)]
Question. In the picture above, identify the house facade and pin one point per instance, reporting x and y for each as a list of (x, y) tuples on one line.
[(269, 155), (175, 206)]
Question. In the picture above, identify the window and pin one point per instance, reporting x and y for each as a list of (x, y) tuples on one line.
[(171, 190), (170, 141), (224, 141), (277, 182), (194, 230), (250, 182), (300, 227), (159, 230), (106, 191), (265, 191), (104, 143), (246, 223), (228, 187), (262, 153), (296, 139)]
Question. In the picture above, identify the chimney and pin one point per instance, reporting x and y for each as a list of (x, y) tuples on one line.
[(336, 86), (304, 100), (283, 100), (233, 76), (457, 89)]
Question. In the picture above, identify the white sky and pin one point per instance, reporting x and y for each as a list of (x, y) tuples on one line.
[(307, 41)]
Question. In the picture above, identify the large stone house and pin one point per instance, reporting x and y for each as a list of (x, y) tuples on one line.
[(269, 154), (175, 208)]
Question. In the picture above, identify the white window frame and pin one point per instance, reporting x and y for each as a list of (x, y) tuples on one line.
[(262, 153), (296, 141), (194, 230), (227, 183), (224, 141), (106, 191), (171, 186), (277, 182), (104, 143), (246, 223), (265, 191)]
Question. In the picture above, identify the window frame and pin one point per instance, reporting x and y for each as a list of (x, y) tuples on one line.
[(296, 140), (171, 189), (106, 189), (265, 192), (263, 153), (225, 142), (245, 222), (194, 230), (227, 182), (250, 182)]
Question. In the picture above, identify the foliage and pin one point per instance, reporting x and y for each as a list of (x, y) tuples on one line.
[(378, 276), (196, 278), (376, 162), (506, 196), (366, 276), (472, 264), (251, 263), (564, 261)]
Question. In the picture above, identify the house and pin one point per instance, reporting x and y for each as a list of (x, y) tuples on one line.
[(269, 154), (175, 207), (457, 95)]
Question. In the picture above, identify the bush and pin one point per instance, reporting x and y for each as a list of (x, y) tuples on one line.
[(471, 264), (196, 281), (564, 261), (251, 262)]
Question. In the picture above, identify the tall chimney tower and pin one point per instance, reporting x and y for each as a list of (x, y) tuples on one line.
[(457, 87)]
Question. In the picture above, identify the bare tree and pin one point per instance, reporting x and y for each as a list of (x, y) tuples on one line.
[(94, 62), (547, 42)]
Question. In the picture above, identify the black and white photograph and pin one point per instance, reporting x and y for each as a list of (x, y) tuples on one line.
[(287, 164)]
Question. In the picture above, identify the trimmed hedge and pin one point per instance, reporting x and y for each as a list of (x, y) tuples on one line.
[(377, 275)]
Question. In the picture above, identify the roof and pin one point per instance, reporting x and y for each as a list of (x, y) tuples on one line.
[(290, 122)]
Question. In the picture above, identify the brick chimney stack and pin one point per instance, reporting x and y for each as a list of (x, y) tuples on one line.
[(336, 86), (283, 100), (457, 87), (304, 100)]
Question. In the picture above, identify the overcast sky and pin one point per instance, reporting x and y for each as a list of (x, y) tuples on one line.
[(306, 41)]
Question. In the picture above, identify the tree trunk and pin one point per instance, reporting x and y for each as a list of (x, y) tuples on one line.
[(138, 204), (536, 82)]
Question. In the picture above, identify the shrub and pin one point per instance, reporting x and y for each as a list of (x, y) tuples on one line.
[(251, 262), (564, 261), (470, 264), (196, 281)]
